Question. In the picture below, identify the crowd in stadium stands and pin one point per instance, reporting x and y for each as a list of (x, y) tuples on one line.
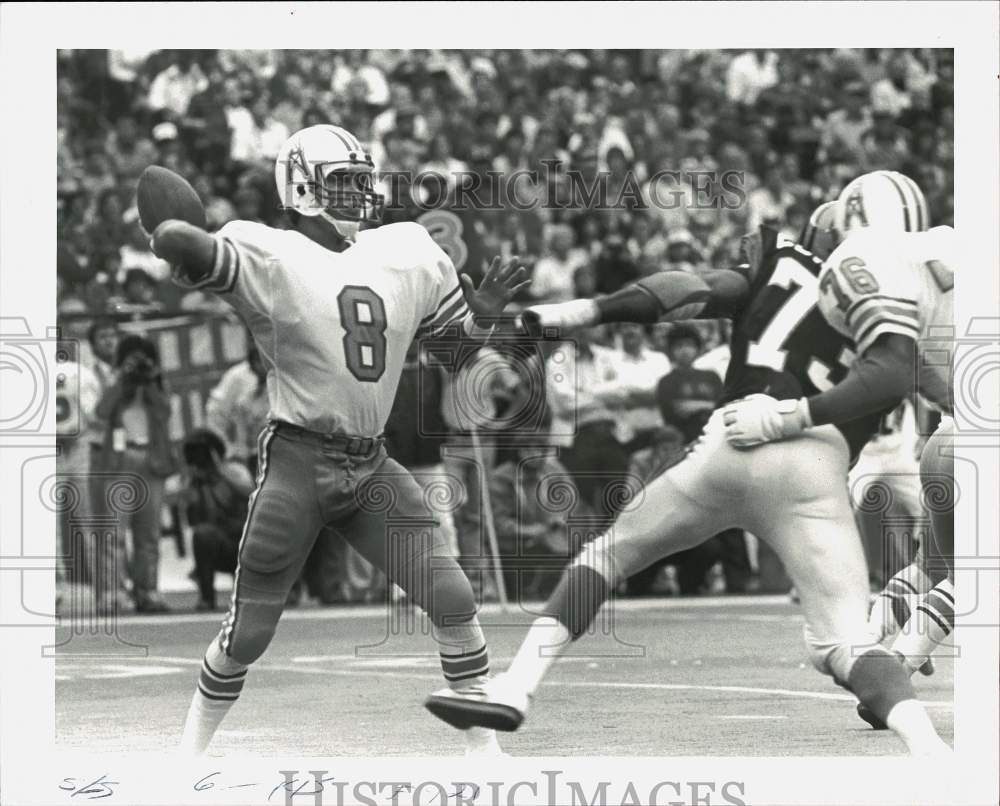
[(767, 135)]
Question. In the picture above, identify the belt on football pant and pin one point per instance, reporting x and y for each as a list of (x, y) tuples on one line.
[(352, 446)]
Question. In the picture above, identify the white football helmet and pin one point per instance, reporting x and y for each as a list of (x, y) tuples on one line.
[(324, 171), (885, 200), (819, 235)]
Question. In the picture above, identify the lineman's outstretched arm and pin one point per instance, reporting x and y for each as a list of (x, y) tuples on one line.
[(667, 296)]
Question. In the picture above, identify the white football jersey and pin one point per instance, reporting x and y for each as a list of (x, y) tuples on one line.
[(875, 283), (333, 328)]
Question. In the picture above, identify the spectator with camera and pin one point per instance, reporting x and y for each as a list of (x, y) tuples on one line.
[(136, 411), (216, 491)]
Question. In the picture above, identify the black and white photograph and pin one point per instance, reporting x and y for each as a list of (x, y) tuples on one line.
[(509, 403)]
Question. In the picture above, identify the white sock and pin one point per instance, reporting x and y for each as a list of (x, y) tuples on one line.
[(219, 686), (932, 621), (893, 606), (910, 722), (544, 643)]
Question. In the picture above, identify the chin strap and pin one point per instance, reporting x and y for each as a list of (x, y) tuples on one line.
[(348, 230)]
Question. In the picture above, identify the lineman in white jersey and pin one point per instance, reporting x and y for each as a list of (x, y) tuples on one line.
[(888, 285), (333, 310)]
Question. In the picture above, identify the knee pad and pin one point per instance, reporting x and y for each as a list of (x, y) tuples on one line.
[(248, 631), (220, 662)]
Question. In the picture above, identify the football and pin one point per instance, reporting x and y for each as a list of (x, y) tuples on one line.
[(162, 194)]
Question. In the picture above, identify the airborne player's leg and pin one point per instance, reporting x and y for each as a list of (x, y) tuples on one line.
[(281, 527), (392, 528), (815, 535), (679, 509)]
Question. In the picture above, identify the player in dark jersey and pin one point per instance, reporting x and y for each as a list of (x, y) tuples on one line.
[(794, 496)]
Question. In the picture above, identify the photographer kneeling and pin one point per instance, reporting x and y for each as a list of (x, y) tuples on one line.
[(217, 493)]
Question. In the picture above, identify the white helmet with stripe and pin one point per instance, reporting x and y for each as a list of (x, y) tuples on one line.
[(885, 200), (324, 171), (819, 236)]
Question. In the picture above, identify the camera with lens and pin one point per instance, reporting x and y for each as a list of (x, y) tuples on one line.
[(138, 359), (203, 450), (140, 370)]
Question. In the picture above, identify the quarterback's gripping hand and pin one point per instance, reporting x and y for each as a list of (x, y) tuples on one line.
[(757, 419)]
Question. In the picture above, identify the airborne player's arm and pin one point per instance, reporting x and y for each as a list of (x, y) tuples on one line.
[(669, 296)]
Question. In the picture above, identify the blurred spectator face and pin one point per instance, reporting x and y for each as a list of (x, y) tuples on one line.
[(617, 163), (111, 207), (232, 93), (884, 126), (513, 145), (247, 203), (139, 287), (561, 241), (406, 122), (682, 352), (641, 229), (790, 167), (261, 109), (104, 340), (632, 338), (203, 187), (855, 99), (585, 281), (897, 71), (126, 131), (294, 88), (773, 181), (680, 252)]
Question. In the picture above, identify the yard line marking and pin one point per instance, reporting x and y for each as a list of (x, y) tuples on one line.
[(379, 611), (114, 671), (752, 716), (780, 692)]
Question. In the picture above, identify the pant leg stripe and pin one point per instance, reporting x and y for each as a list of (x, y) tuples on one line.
[(263, 451)]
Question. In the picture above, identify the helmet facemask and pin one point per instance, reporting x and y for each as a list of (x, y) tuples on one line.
[(345, 190), (342, 192)]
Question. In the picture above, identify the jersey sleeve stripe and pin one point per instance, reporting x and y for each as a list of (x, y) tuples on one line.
[(866, 338), (448, 314), (879, 298), (443, 324), (226, 270), (877, 311), (448, 298)]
